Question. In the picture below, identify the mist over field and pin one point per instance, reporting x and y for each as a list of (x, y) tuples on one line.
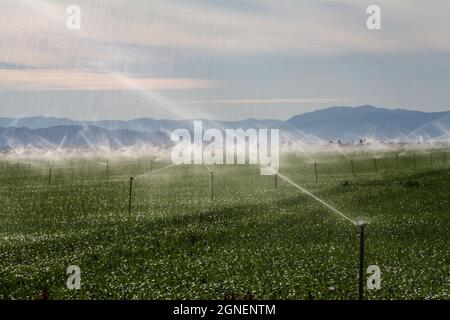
[(334, 128)]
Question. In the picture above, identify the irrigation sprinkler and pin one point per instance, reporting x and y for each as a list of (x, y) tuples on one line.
[(315, 171), (353, 168), (396, 162), (431, 158), (107, 170), (375, 164), (276, 180), (362, 227), (50, 174), (415, 162), (212, 185), (71, 170), (151, 165), (445, 156), (130, 195)]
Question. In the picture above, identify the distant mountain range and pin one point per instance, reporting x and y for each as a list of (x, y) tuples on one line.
[(336, 123), (348, 123)]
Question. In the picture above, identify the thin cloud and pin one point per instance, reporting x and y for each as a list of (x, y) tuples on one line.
[(93, 81), (315, 48), (33, 32), (271, 101)]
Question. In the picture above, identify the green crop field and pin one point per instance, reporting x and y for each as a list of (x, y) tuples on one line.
[(257, 237)]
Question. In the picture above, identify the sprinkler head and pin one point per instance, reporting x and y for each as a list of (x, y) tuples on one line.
[(362, 224)]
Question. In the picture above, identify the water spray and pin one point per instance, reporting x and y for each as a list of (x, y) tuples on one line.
[(362, 227), (141, 176), (154, 171), (130, 195), (333, 209)]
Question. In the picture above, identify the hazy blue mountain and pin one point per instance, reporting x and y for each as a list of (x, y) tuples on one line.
[(36, 122), (142, 124), (348, 123), (344, 123), (76, 136)]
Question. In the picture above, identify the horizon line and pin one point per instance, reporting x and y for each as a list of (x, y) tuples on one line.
[(223, 120)]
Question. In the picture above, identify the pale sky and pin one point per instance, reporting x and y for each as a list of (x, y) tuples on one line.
[(230, 59)]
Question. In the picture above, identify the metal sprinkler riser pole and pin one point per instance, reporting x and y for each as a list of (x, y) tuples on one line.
[(353, 169), (362, 228), (315, 171), (130, 195), (212, 185)]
